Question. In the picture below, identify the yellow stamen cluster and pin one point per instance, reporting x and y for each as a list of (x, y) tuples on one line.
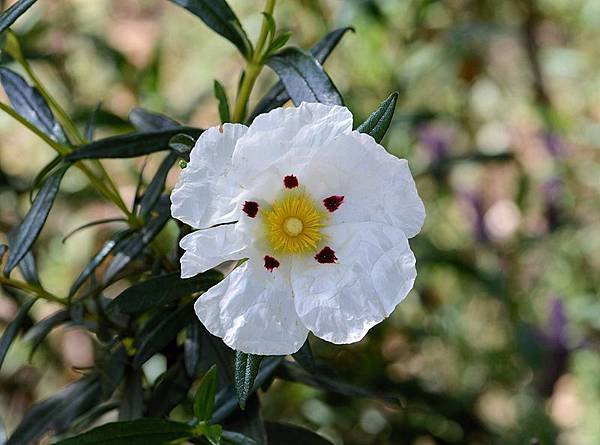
[(293, 223)]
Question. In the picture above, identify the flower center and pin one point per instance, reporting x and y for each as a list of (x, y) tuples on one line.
[(293, 223)]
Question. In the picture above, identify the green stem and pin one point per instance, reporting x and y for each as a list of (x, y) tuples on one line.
[(32, 289), (254, 67)]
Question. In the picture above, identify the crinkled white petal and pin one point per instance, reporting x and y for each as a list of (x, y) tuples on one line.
[(207, 248), (375, 270), (252, 310), (288, 133), (206, 192), (376, 185)]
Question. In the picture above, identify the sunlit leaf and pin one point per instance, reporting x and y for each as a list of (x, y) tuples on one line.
[(245, 369), (204, 400), (379, 121), (221, 96)]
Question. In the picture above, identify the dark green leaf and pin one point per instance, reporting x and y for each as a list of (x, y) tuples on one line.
[(271, 27), (90, 126), (192, 347), (112, 367), (204, 400), (30, 228), (43, 174), (145, 120), (132, 399), (130, 145), (132, 246), (135, 432), (212, 433), (13, 328), (248, 422), (182, 143), (157, 185), (27, 264), (305, 357), (42, 328), (9, 16), (3, 250), (91, 224), (379, 121), (293, 435), (304, 77), (30, 104), (227, 401), (278, 95), (215, 352), (172, 387), (159, 331), (164, 289), (278, 43), (217, 15), (106, 249), (245, 370), (233, 438), (58, 412), (221, 96)]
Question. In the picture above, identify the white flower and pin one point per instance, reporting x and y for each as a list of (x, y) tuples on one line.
[(321, 213)]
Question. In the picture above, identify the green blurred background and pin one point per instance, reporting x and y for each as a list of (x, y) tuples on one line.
[(499, 118)]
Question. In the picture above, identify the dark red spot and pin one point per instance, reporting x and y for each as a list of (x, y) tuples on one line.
[(250, 208), (290, 181), (271, 263), (326, 256), (333, 202)]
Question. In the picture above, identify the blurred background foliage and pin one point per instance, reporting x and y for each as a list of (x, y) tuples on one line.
[(498, 116)]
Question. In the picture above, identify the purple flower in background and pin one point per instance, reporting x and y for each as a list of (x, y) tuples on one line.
[(554, 143), (436, 138), (551, 192), (474, 202)]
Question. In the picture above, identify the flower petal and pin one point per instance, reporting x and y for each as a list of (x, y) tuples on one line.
[(376, 185), (206, 191), (205, 249), (288, 134), (374, 271), (252, 310)]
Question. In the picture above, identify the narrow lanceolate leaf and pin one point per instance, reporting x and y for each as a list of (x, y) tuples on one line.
[(130, 145), (161, 290), (305, 357), (106, 249), (9, 16), (218, 16), (234, 438), (293, 435), (90, 126), (221, 96), (192, 347), (132, 398), (36, 335), (379, 121), (204, 400), (172, 388), (132, 246), (30, 104), (11, 331), (33, 222), (182, 144), (58, 412), (27, 264), (278, 95), (245, 368), (157, 185), (159, 331), (135, 432), (304, 77), (145, 120)]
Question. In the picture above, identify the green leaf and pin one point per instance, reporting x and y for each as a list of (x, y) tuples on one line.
[(182, 143), (271, 26), (211, 432), (58, 412), (132, 399), (9, 16), (305, 357), (30, 104), (159, 331), (278, 43), (221, 96), (171, 389), (146, 431), (379, 121), (106, 249), (278, 95), (218, 16), (144, 120), (132, 246), (293, 435), (164, 289), (32, 224), (304, 77), (157, 185), (90, 126), (245, 369), (13, 328), (192, 347), (204, 400), (130, 145), (234, 438), (39, 331)]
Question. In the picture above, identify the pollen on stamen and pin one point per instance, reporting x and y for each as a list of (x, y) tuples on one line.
[(333, 202), (326, 256), (250, 208), (290, 181), (271, 263)]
